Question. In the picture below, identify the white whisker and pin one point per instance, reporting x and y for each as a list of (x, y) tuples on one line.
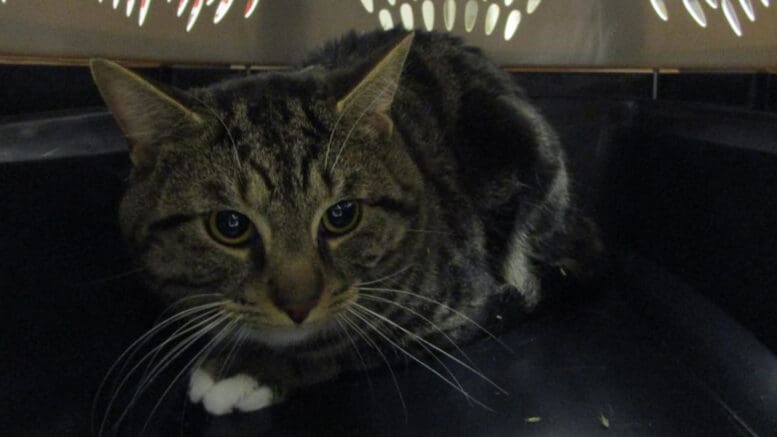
[(235, 154), (188, 298), (124, 381), (422, 317), (150, 366), (429, 231), (204, 352), (332, 134), (194, 319), (111, 278), (384, 278), (133, 348), (239, 338), (356, 123), (420, 342), (344, 329), (364, 335), (432, 345), (454, 311), (417, 360)]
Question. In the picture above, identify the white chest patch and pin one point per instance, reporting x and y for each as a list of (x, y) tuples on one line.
[(517, 270)]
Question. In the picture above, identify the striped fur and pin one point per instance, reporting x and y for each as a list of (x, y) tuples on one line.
[(464, 187)]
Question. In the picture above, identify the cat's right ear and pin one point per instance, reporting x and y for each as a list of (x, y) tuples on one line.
[(372, 97), (145, 114)]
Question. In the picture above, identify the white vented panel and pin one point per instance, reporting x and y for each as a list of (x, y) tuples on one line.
[(532, 33)]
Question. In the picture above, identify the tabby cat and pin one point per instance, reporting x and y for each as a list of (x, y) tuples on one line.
[(389, 193)]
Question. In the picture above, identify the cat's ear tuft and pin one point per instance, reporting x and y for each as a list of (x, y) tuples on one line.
[(145, 114), (374, 93)]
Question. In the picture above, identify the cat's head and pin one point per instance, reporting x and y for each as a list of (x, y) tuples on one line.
[(275, 194)]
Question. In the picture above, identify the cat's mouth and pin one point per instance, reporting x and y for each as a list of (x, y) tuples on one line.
[(272, 327), (278, 336)]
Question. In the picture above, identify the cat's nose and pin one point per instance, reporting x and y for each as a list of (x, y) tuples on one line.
[(295, 287), (297, 312)]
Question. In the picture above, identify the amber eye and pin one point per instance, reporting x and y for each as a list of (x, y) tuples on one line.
[(230, 228), (341, 218)]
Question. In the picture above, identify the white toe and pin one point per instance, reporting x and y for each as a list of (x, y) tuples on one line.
[(224, 395), (259, 398), (199, 384)]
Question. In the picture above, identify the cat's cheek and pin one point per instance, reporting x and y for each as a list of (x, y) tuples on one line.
[(368, 250)]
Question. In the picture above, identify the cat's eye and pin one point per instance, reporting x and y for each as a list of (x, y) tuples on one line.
[(230, 228), (341, 217)]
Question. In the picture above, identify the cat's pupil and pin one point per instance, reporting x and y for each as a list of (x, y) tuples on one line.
[(341, 214), (231, 224)]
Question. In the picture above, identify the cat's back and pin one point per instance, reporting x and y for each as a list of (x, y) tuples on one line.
[(455, 109), (437, 60), (355, 48)]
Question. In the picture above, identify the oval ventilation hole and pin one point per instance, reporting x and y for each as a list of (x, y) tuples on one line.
[(492, 18), (392, 2), (660, 7), (532, 6), (511, 24), (763, 2), (406, 14), (449, 14), (747, 6), (508, 3), (250, 8), (144, 4), (731, 17), (694, 8), (194, 13), (115, 5), (130, 7), (712, 3), (221, 10), (369, 6), (181, 6), (384, 16), (427, 12), (470, 15)]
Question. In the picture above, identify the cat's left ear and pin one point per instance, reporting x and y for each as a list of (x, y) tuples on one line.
[(371, 98), (146, 114)]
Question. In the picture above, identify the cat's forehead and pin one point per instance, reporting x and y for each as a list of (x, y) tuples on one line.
[(284, 133), (275, 130), (277, 114), (268, 90)]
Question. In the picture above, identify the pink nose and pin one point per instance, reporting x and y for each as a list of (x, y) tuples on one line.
[(296, 311), (297, 314)]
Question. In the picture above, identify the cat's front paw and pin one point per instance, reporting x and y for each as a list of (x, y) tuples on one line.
[(238, 392)]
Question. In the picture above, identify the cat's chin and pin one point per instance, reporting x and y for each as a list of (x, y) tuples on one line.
[(288, 336)]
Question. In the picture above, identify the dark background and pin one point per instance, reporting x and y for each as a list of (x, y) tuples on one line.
[(679, 340)]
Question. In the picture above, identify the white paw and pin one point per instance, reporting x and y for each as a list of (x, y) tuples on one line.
[(240, 392)]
